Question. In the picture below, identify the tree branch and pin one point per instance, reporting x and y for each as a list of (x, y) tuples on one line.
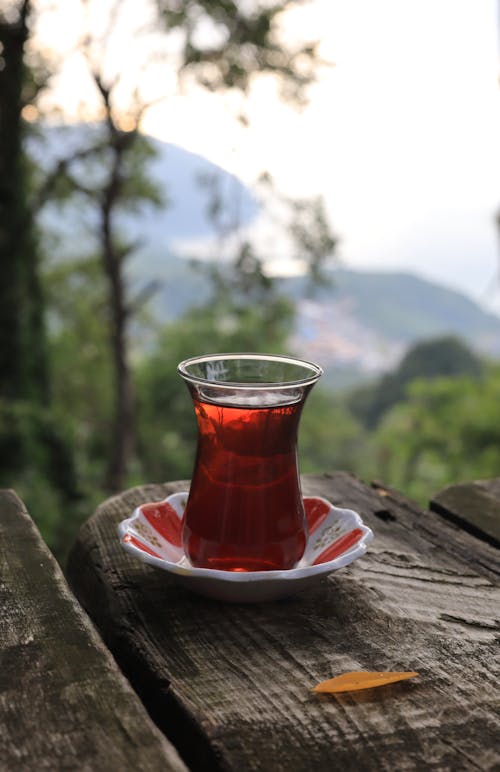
[(60, 170), (143, 296)]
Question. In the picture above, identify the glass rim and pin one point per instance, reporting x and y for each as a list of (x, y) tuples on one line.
[(316, 371)]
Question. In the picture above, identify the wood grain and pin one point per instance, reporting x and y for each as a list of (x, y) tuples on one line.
[(231, 684), (474, 506), (64, 704)]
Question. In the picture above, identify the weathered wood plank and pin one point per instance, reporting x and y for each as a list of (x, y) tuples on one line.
[(235, 680), (474, 506), (64, 704)]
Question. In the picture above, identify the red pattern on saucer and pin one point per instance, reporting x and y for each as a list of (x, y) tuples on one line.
[(164, 519), (317, 510), (339, 546), (336, 538)]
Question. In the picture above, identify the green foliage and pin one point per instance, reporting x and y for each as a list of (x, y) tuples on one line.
[(329, 437), (438, 430), (244, 40), (79, 359), (313, 237), (446, 430), (429, 359), (435, 420), (36, 459), (440, 357), (23, 372), (167, 428)]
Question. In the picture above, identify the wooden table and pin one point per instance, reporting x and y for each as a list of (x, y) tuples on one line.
[(230, 685), (64, 704)]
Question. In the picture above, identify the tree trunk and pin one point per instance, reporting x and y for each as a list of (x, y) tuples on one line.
[(23, 367), (12, 37), (123, 422), (123, 427)]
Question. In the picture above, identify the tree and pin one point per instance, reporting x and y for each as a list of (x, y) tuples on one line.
[(441, 357), (124, 184), (23, 367), (35, 454), (446, 430), (109, 172), (224, 46), (329, 437), (167, 428)]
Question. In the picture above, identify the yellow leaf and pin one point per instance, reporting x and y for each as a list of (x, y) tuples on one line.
[(356, 680)]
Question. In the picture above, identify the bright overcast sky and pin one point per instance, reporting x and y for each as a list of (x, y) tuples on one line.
[(401, 137)]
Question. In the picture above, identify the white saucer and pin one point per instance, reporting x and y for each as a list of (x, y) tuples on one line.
[(336, 538)]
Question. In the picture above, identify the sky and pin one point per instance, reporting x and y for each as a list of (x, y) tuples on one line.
[(401, 136)]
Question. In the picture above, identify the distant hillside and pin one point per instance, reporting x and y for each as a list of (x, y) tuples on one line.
[(366, 321), (179, 175), (404, 307), (359, 326)]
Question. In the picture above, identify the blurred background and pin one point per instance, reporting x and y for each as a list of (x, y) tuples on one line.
[(312, 178)]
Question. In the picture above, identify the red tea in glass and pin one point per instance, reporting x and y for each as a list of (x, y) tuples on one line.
[(245, 510)]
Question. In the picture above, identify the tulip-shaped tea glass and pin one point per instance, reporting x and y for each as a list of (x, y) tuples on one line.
[(245, 510)]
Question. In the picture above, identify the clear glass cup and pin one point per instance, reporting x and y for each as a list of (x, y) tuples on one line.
[(245, 510)]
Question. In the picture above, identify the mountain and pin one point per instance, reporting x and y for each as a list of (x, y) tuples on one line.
[(186, 181), (404, 307), (365, 322), (356, 327), (359, 325)]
